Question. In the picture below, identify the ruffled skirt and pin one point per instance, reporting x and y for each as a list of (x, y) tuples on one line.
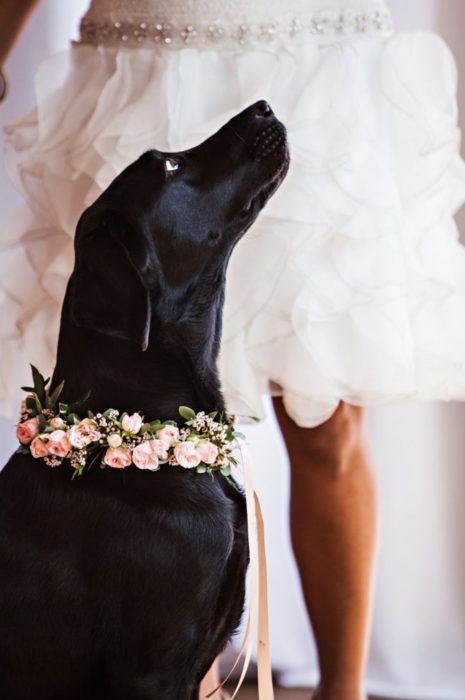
[(351, 284)]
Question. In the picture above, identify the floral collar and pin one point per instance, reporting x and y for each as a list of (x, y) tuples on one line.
[(53, 431)]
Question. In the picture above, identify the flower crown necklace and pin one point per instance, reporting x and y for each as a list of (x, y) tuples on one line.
[(53, 431)]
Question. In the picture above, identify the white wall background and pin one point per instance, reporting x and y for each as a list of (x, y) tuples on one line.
[(418, 641)]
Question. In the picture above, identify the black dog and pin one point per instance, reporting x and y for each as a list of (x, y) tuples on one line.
[(128, 584)]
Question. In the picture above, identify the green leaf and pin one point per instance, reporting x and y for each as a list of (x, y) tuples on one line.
[(42, 423), (73, 418), (55, 395), (226, 471), (232, 483), (77, 404), (201, 469), (31, 402), (38, 404), (27, 388), (186, 412), (156, 425), (39, 384), (90, 415), (213, 414), (63, 407), (239, 435), (255, 418)]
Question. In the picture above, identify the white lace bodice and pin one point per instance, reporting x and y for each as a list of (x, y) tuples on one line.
[(176, 23)]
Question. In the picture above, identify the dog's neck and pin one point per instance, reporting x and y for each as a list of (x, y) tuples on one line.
[(178, 368)]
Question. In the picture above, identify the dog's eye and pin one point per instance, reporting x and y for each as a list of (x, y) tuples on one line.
[(171, 165)]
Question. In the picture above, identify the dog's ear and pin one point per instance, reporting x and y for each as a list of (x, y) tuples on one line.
[(109, 293)]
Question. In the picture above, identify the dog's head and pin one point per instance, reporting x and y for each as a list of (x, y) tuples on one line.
[(163, 231)]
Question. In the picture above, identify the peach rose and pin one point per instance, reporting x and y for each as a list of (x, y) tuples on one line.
[(132, 424), (186, 455), (208, 452), (144, 456), (58, 443), (168, 435), (118, 457), (27, 431), (57, 422), (38, 448), (160, 449), (115, 440)]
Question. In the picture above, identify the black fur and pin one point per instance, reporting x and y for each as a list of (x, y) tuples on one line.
[(127, 584)]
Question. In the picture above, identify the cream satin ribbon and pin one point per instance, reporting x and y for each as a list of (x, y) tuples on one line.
[(258, 607)]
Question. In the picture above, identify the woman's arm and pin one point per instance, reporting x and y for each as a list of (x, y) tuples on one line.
[(13, 15)]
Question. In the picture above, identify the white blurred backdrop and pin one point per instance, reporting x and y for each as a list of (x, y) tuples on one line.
[(418, 640)]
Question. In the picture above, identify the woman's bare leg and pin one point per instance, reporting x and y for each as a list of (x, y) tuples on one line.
[(333, 528)]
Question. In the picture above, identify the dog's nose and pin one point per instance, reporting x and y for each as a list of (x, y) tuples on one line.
[(262, 109)]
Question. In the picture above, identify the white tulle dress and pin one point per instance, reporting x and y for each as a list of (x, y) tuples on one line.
[(351, 285)]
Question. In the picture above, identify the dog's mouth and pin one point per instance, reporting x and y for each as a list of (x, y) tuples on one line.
[(269, 140), (270, 144)]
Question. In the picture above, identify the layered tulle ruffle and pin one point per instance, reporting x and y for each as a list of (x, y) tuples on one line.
[(351, 285)]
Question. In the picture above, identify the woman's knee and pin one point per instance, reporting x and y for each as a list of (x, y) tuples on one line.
[(329, 447)]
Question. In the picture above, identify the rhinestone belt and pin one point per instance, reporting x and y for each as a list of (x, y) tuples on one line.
[(168, 34)]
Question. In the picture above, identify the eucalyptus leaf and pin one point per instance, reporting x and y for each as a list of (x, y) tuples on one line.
[(73, 418), (201, 469), (239, 435), (186, 412), (226, 471)]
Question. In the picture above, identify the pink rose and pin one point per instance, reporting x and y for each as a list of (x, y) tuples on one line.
[(160, 449), (208, 451), (118, 457), (144, 456), (84, 433), (186, 455), (169, 434), (27, 431), (58, 443), (38, 448), (57, 422), (132, 424)]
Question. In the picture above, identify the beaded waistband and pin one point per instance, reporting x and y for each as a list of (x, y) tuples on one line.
[(331, 25)]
